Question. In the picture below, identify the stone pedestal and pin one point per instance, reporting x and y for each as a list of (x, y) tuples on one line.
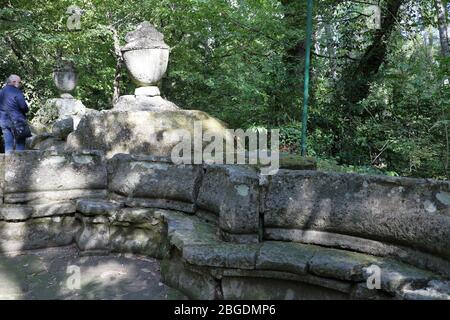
[(69, 108), (148, 132), (143, 123), (51, 133), (150, 91), (146, 57), (65, 78), (131, 103)]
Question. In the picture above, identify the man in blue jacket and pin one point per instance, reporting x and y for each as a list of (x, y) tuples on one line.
[(13, 107)]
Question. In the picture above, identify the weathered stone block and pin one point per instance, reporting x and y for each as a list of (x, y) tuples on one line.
[(15, 213), (144, 100), (377, 248), (289, 257), (239, 238), (52, 196), (297, 162), (92, 207), (362, 292), (233, 193), (39, 171), (94, 235), (67, 107), (37, 233), (194, 284), (396, 275), (226, 255), (149, 241), (140, 132), (62, 128), (24, 212), (154, 178), (340, 264), (237, 288), (208, 216), (401, 211), (47, 144), (327, 283), (138, 216), (162, 204), (435, 290), (2, 177), (184, 230)]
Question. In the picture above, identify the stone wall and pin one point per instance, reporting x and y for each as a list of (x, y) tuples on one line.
[(220, 229), (149, 181), (396, 210), (33, 176), (38, 189), (405, 218), (154, 131)]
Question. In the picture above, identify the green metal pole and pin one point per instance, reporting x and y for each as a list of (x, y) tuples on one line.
[(306, 88)]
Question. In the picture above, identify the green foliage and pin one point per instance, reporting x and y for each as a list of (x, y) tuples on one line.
[(331, 165), (242, 62), (290, 135)]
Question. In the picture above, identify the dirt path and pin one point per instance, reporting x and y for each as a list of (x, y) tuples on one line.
[(61, 273)]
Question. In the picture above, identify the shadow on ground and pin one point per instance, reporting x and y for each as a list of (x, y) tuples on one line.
[(49, 274)]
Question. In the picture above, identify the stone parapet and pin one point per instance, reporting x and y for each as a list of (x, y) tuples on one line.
[(147, 181), (36, 175), (412, 213), (225, 231)]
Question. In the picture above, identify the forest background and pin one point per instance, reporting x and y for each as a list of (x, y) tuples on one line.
[(380, 92)]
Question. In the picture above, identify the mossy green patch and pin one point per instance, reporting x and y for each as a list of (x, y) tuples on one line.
[(297, 162)]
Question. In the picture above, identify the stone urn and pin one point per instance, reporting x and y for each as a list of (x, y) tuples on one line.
[(65, 78), (146, 56)]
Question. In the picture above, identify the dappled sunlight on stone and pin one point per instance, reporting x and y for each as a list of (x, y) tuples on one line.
[(259, 233), (45, 274), (9, 290), (112, 200)]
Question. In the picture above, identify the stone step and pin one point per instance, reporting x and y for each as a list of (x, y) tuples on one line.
[(25, 212), (337, 269)]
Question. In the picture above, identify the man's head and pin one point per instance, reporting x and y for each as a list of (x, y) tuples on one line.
[(14, 80)]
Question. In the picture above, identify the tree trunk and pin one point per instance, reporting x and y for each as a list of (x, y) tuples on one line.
[(354, 85), (21, 56), (331, 51), (295, 48), (443, 36), (357, 78), (289, 90), (117, 79), (447, 150), (428, 41), (119, 62), (442, 24)]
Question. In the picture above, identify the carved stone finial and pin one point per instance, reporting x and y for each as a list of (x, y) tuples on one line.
[(145, 32), (65, 78), (146, 57)]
